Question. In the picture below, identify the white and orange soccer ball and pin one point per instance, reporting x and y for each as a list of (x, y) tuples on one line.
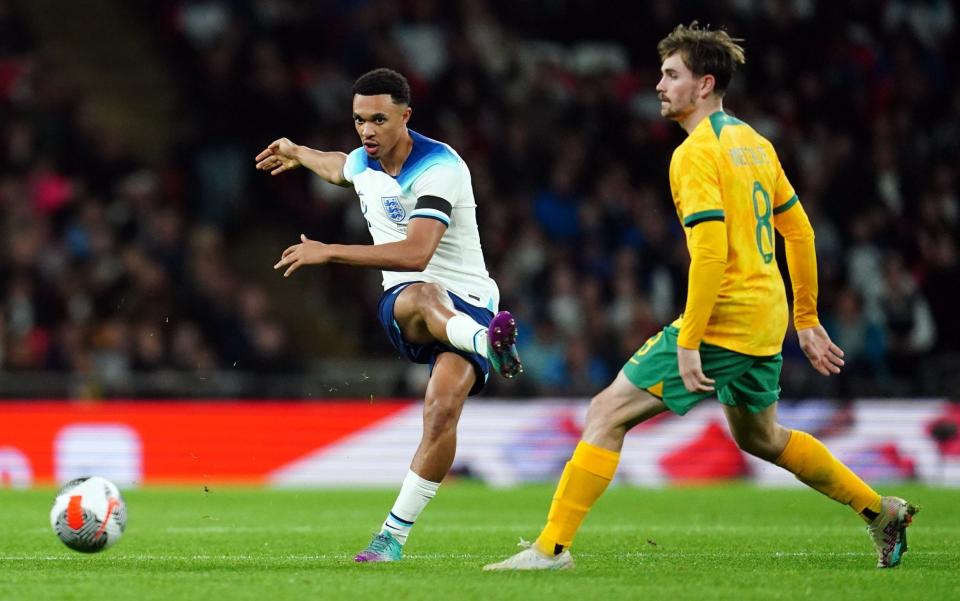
[(88, 514)]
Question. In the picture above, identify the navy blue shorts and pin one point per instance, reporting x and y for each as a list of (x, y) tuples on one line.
[(427, 353)]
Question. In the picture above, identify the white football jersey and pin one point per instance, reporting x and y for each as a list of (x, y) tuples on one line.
[(389, 203)]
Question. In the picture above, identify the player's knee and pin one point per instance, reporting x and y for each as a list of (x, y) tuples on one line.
[(601, 415), (597, 408), (429, 293), (746, 444), (759, 443), (430, 301)]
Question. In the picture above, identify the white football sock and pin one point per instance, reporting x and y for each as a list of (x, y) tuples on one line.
[(413, 498), (467, 335)]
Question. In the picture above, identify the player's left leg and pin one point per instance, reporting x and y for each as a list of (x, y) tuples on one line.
[(450, 383), (750, 404), (759, 433)]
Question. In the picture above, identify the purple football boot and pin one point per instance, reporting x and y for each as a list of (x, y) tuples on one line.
[(502, 345)]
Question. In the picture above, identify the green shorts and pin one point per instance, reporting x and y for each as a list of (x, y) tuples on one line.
[(745, 380)]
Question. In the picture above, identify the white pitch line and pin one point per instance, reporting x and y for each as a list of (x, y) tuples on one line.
[(530, 528), (525, 527), (141, 557), (464, 556)]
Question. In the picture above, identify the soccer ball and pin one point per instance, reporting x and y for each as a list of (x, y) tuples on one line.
[(88, 514)]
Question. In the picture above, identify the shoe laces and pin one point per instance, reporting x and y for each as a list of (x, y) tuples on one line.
[(380, 543)]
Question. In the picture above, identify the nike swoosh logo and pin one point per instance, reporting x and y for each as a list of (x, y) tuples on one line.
[(112, 504)]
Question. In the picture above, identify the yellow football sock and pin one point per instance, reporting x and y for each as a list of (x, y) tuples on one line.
[(814, 465), (584, 479)]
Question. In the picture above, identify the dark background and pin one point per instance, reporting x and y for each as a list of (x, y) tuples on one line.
[(138, 239)]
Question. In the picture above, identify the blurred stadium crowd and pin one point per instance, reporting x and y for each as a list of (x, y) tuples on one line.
[(113, 266)]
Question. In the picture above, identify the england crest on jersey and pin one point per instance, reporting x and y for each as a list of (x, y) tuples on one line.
[(393, 208)]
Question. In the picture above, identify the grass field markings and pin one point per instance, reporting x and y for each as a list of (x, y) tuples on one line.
[(242, 529), (145, 557), (345, 557), (853, 526), (528, 528), (727, 554), (639, 527)]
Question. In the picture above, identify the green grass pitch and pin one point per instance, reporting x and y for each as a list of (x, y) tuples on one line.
[(730, 542)]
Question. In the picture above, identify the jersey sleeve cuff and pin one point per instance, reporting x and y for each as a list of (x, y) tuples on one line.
[(786, 206), (701, 216), (430, 214), (805, 322)]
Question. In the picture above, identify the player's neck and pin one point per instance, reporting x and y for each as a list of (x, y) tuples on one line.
[(691, 121), (392, 163)]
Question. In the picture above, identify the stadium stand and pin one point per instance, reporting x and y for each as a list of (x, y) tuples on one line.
[(132, 269)]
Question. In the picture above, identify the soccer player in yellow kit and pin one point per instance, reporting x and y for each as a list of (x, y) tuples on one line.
[(730, 193)]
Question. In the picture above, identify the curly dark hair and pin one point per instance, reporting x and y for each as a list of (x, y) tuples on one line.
[(383, 81)]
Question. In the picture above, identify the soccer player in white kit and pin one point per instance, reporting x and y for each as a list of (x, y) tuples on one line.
[(439, 304)]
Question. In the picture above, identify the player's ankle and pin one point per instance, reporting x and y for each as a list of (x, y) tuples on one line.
[(547, 548)]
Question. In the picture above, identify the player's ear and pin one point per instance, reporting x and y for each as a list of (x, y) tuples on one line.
[(406, 114), (707, 85)]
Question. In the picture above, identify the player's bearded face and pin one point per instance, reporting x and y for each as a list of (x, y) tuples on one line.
[(677, 88), (380, 123)]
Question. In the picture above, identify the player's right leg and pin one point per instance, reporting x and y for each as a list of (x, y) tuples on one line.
[(586, 476), (757, 432), (426, 311)]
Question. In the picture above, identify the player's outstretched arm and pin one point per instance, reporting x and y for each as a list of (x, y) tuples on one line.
[(411, 254), (283, 155), (825, 356)]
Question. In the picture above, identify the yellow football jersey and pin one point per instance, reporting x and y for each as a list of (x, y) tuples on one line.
[(728, 172)]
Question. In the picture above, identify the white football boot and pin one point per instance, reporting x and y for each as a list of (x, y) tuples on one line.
[(532, 559), (889, 530)]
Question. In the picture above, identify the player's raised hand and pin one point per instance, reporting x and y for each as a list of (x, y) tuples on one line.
[(825, 356), (691, 371), (308, 252), (279, 156)]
